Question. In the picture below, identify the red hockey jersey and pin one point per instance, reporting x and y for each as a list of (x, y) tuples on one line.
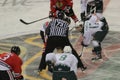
[(13, 61), (60, 4)]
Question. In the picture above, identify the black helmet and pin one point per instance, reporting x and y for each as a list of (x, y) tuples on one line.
[(60, 15), (67, 19), (15, 49)]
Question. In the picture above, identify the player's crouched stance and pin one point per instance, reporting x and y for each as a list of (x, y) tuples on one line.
[(10, 65), (64, 64), (95, 30)]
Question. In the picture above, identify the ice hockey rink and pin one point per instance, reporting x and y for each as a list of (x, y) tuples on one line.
[(13, 32)]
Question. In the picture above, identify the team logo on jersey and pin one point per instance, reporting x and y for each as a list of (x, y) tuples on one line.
[(59, 4)]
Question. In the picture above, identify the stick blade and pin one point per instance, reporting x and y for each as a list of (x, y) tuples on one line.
[(23, 22)]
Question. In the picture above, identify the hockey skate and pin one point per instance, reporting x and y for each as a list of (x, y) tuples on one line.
[(97, 58), (83, 69)]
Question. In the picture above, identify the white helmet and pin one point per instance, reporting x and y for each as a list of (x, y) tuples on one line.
[(67, 49)]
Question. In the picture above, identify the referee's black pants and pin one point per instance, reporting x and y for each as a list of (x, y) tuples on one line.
[(52, 43)]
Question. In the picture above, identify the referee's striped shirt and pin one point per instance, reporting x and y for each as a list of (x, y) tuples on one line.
[(58, 27)]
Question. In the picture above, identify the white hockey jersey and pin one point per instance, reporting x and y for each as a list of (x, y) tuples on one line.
[(91, 26), (67, 59)]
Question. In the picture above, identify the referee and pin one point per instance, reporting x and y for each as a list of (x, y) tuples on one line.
[(57, 33)]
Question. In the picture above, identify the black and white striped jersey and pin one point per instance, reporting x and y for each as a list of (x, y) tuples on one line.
[(58, 27)]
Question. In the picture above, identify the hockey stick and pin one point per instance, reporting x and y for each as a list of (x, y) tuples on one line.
[(24, 22), (88, 15), (71, 29), (81, 53)]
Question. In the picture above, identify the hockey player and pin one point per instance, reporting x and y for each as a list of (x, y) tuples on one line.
[(10, 65), (95, 31), (65, 63), (94, 13), (43, 35), (63, 5), (57, 33)]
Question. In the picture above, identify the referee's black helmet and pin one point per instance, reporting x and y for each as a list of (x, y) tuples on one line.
[(60, 15), (67, 19)]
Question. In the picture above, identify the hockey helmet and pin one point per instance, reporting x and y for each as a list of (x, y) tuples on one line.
[(67, 19), (67, 49), (16, 50), (60, 15)]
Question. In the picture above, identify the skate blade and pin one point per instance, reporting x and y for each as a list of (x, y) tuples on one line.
[(99, 60)]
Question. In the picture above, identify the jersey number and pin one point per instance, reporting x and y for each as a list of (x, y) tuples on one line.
[(5, 57), (63, 57)]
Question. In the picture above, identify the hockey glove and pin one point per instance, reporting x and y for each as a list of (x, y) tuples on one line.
[(67, 9), (83, 17), (79, 26), (50, 66), (19, 78), (51, 14)]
